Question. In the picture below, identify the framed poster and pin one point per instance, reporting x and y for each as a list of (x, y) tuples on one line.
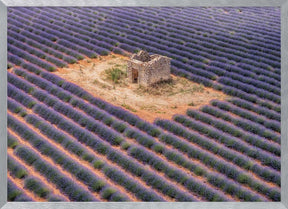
[(143, 104)]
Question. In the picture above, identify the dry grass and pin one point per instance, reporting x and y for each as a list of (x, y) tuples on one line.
[(116, 74), (174, 86), (105, 77)]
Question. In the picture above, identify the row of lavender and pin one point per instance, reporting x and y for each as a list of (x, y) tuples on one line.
[(229, 79), (108, 135), (71, 26), (30, 182), (191, 53), (147, 141), (44, 43)]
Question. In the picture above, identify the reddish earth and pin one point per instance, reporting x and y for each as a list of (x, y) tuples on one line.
[(82, 162), (149, 103), (50, 161), (32, 172), (163, 101), (20, 184), (269, 184)]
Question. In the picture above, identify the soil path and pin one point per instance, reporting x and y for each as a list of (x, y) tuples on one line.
[(103, 158), (80, 161), (249, 173), (20, 184), (51, 162), (51, 187)]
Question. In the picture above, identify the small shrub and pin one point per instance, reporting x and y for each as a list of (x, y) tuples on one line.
[(97, 185), (21, 174), (9, 65), (13, 195), (154, 132), (104, 53), (88, 158), (158, 148), (206, 61), (42, 192), (115, 75), (199, 171), (98, 164), (128, 107), (36, 186), (120, 127), (107, 193), (191, 104), (12, 142), (108, 121), (117, 140), (31, 104), (125, 145)]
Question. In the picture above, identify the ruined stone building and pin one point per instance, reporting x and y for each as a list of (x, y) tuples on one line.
[(147, 70)]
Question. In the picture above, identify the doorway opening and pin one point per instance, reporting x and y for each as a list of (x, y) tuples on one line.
[(134, 76)]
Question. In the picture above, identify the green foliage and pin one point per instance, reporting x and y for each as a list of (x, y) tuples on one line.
[(51, 69), (31, 104), (104, 53), (21, 174), (9, 65), (128, 107), (118, 140), (12, 142), (98, 164), (30, 90), (17, 109), (125, 145), (191, 104), (13, 194), (120, 127), (199, 171), (97, 185), (103, 149), (94, 55), (115, 75), (107, 193), (108, 121), (88, 158), (154, 132), (36, 186), (206, 61), (158, 148)]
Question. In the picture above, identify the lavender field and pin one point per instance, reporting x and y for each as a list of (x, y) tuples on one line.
[(65, 144)]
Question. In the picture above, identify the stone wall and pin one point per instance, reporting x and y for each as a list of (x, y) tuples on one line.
[(133, 64), (159, 69), (151, 69)]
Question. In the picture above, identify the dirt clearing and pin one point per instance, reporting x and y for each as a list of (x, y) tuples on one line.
[(105, 77)]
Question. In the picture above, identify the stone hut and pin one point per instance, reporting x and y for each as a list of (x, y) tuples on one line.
[(147, 70)]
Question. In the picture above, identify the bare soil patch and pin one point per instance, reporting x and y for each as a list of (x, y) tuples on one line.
[(97, 76)]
